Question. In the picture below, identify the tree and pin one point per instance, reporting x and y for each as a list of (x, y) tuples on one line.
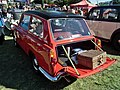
[(116, 1)]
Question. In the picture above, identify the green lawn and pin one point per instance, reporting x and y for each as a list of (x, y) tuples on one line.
[(16, 73)]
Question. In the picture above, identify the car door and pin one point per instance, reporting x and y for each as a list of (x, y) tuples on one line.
[(108, 23), (22, 31), (93, 20), (103, 21), (35, 40)]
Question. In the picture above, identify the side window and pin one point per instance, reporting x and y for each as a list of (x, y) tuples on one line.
[(95, 14), (36, 27), (25, 22), (110, 14)]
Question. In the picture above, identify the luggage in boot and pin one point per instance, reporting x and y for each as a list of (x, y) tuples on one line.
[(92, 58)]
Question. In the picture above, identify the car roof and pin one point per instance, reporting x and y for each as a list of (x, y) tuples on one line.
[(111, 6), (48, 14)]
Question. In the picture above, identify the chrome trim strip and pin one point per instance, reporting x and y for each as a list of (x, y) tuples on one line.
[(53, 79)]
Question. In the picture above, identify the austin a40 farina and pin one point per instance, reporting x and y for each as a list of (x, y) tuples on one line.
[(60, 44)]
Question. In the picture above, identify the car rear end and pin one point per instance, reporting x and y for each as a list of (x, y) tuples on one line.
[(74, 45)]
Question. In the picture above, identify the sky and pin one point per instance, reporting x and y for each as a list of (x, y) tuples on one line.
[(98, 1)]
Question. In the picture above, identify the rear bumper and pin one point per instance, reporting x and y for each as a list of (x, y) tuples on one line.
[(84, 72), (51, 78)]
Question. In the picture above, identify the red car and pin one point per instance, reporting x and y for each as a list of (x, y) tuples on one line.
[(56, 41)]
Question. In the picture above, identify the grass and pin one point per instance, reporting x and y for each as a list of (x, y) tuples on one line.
[(16, 73)]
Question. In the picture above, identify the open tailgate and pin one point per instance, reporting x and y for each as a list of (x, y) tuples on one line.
[(84, 71)]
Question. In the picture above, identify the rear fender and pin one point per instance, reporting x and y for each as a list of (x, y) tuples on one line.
[(114, 33)]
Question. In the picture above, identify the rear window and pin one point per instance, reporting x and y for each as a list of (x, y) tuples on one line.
[(104, 14), (67, 28), (110, 13)]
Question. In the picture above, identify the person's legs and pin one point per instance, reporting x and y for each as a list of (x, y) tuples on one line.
[(2, 36), (2, 39)]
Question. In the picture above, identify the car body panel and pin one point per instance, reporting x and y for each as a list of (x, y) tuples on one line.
[(13, 19), (104, 27), (86, 72), (47, 48)]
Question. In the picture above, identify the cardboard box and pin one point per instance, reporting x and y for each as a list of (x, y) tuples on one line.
[(92, 58)]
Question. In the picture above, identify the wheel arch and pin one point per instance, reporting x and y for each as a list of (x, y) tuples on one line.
[(31, 54), (114, 34)]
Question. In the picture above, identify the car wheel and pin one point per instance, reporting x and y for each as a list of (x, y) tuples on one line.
[(116, 42), (35, 64)]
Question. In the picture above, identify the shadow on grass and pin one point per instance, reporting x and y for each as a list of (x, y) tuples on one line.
[(109, 48), (16, 71)]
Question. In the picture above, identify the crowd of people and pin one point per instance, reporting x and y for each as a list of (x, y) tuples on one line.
[(10, 9), (9, 13)]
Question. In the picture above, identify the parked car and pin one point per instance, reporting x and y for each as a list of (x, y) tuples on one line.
[(105, 22), (13, 18), (55, 40)]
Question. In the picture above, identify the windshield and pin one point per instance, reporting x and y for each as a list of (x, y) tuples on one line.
[(67, 28)]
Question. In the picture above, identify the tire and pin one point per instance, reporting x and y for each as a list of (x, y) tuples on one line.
[(36, 66), (116, 42)]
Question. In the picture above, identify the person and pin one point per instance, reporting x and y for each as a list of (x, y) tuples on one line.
[(73, 11), (20, 5), (2, 34), (9, 12), (80, 12), (64, 8), (94, 15), (3, 11)]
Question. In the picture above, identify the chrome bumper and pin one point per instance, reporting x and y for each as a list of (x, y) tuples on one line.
[(53, 79)]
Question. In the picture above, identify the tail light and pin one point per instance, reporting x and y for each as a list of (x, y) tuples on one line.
[(98, 42), (51, 53), (52, 56)]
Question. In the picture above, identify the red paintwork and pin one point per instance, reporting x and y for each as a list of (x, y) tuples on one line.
[(84, 72), (41, 49), (75, 40)]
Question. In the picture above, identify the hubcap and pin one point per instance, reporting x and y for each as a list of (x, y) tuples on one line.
[(35, 64)]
